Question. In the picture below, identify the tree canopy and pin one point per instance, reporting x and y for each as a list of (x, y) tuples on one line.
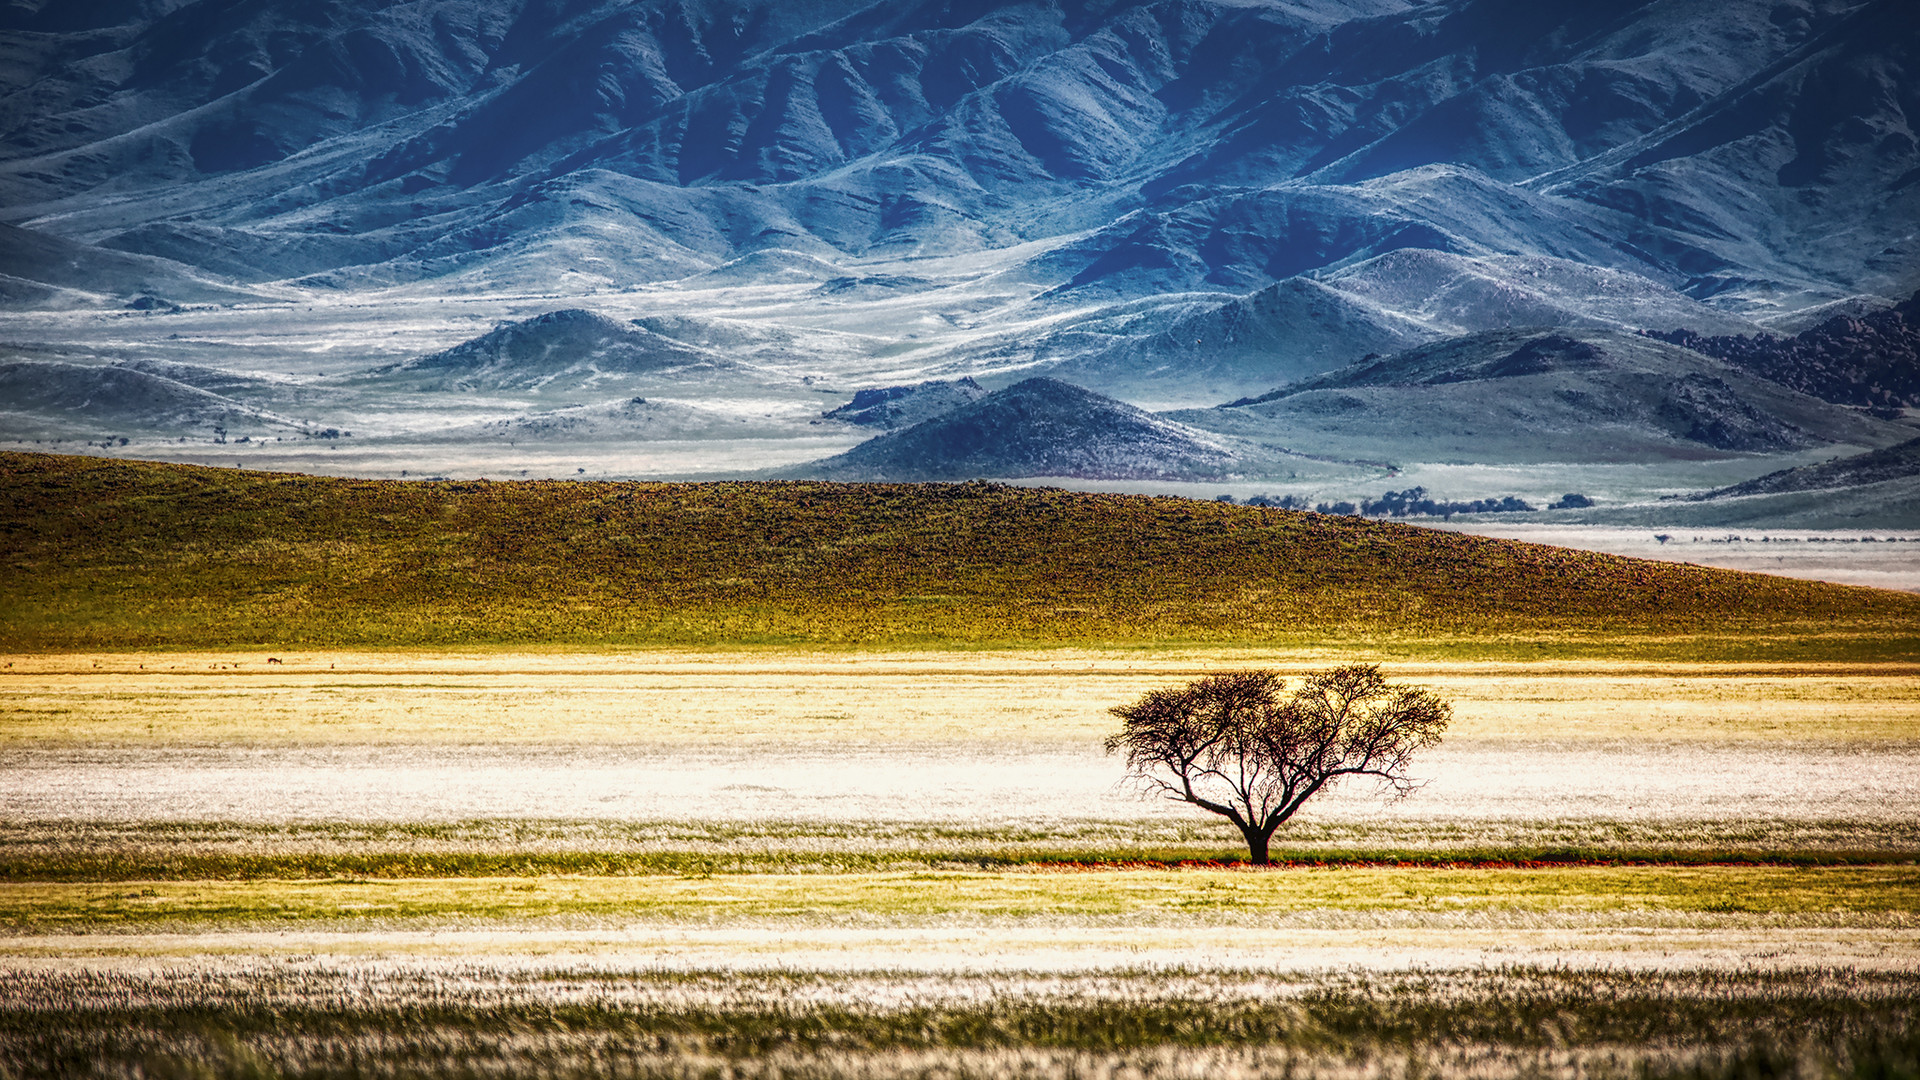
[(1230, 743)]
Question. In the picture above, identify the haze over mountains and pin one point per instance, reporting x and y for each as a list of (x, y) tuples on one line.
[(678, 237)]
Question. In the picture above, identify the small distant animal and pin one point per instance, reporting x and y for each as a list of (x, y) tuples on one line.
[(273, 659)]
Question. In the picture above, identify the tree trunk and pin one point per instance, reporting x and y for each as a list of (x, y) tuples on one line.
[(1257, 846)]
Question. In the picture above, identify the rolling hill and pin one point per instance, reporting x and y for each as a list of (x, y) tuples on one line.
[(1314, 323), (49, 398), (1533, 395), (1895, 464), (893, 407), (106, 554), (1287, 331), (1036, 427), (560, 350), (627, 421)]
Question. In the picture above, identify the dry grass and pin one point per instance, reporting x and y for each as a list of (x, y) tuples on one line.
[(136, 555), (1050, 696), (189, 851), (305, 1020)]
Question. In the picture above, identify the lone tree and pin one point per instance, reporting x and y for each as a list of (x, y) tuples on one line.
[(1229, 744)]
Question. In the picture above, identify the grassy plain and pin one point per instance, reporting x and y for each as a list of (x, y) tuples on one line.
[(125, 555), (234, 851), (575, 641), (302, 1020), (942, 717), (1882, 897), (789, 696)]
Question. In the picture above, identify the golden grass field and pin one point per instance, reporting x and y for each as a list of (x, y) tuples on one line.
[(327, 778), (1011, 738), (925, 696), (143, 933)]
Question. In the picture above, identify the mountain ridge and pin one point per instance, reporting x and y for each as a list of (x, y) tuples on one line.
[(320, 209), (1538, 394), (886, 128)]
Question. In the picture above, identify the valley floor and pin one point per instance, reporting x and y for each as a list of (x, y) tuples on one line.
[(1878, 558), (921, 864)]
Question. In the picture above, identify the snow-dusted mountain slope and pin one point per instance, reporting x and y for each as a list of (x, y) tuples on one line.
[(562, 350), (631, 420), (890, 407), (466, 228), (1307, 325), (51, 398), (1175, 144)]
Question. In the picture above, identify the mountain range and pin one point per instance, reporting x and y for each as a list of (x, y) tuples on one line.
[(1673, 236), (1176, 144)]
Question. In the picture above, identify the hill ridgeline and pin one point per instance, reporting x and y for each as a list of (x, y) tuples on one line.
[(110, 554)]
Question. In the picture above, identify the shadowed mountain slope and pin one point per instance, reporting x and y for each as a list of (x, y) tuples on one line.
[(1871, 359), (1304, 326), (1282, 333), (1900, 462), (559, 349), (54, 265), (1457, 295), (1529, 395), (1821, 133), (39, 398), (1039, 427), (114, 554)]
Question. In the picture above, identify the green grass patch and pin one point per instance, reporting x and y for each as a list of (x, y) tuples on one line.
[(1827, 895), (125, 555)]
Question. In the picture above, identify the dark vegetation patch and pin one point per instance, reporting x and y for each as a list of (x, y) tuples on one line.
[(1870, 360), (1413, 502), (214, 851), (136, 866), (104, 554)]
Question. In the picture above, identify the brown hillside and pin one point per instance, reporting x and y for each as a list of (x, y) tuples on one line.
[(107, 554)]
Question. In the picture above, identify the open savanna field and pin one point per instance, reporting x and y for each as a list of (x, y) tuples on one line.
[(105, 554), (321, 778)]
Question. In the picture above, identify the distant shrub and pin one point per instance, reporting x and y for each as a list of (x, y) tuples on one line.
[(1414, 502), (1283, 502)]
